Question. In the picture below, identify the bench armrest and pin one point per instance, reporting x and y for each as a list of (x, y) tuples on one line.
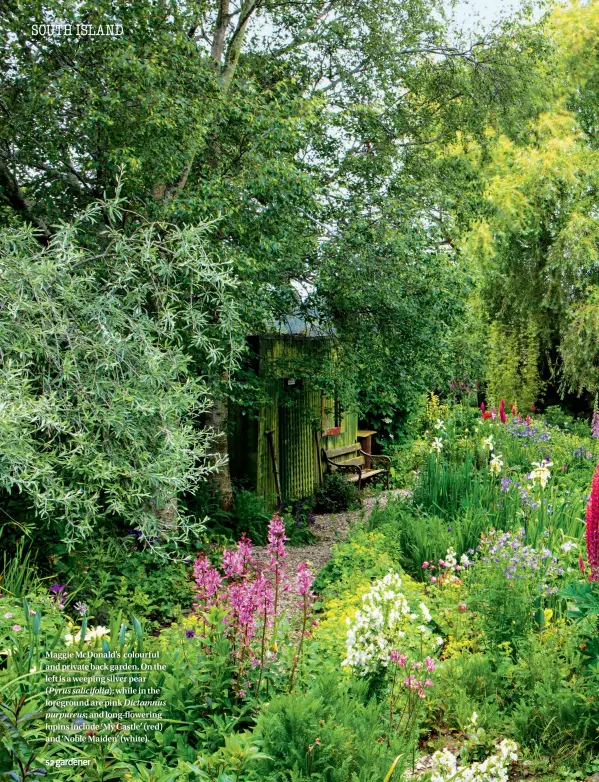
[(375, 457), (347, 467)]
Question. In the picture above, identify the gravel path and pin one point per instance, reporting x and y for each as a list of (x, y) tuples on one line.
[(329, 529)]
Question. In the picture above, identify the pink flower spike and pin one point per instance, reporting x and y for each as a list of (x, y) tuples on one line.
[(592, 528), (208, 582), (276, 539), (16, 628), (425, 565), (430, 664), (429, 683), (304, 579)]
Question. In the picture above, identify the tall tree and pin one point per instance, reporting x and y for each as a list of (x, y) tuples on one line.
[(536, 242), (311, 132)]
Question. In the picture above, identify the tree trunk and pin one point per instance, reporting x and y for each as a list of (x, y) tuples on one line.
[(168, 519), (221, 478)]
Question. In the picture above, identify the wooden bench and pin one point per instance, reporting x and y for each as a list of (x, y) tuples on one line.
[(356, 463)]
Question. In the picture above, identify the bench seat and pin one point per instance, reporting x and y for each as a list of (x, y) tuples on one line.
[(365, 474), (352, 460)]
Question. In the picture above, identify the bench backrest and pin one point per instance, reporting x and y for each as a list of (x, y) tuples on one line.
[(345, 454)]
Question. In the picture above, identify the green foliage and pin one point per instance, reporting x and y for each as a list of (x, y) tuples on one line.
[(120, 574), (364, 555), (534, 244), (513, 366), (236, 122), (299, 521), (418, 537), (18, 578), (330, 734), (336, 494), (250, 516), (101, 413), (557, 416)]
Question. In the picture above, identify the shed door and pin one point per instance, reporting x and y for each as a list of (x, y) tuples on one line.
[(297, 446)]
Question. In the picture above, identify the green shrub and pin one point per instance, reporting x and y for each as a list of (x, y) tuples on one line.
[(554, 415), (116, 575), (365, 555), (299, 521), (251, 516), (332, 733), (336, 494)]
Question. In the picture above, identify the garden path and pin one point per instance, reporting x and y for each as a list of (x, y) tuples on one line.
[(328, 529)]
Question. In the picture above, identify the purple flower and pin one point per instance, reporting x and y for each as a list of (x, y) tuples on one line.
[(189, 634), (505, 484), (58, 593)]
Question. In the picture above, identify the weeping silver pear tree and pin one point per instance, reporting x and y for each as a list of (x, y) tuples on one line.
[(102, 331)]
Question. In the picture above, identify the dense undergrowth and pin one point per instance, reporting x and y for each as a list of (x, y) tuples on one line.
[(454, 625)]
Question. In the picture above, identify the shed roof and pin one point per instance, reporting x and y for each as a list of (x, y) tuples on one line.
[(297, 325)]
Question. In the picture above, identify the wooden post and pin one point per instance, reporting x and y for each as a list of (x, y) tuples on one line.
[(275, 467), (318, 456)]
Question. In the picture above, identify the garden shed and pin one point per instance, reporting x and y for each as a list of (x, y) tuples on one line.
[(278, 454)]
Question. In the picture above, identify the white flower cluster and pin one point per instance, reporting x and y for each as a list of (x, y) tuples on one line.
[(493, 769), (385, 623)]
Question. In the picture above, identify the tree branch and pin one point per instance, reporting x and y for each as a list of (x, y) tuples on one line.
[(14, 197), (220, 31), (234, 48)]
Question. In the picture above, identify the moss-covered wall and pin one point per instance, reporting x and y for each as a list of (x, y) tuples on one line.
[(294, 416)]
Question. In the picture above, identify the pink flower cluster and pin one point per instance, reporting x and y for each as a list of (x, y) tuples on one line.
[(248, 591), (447, 569), (411, 682)]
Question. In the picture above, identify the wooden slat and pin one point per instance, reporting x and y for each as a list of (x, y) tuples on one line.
[(342, 450), (370, 473), (359, 460), (353, 478)]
